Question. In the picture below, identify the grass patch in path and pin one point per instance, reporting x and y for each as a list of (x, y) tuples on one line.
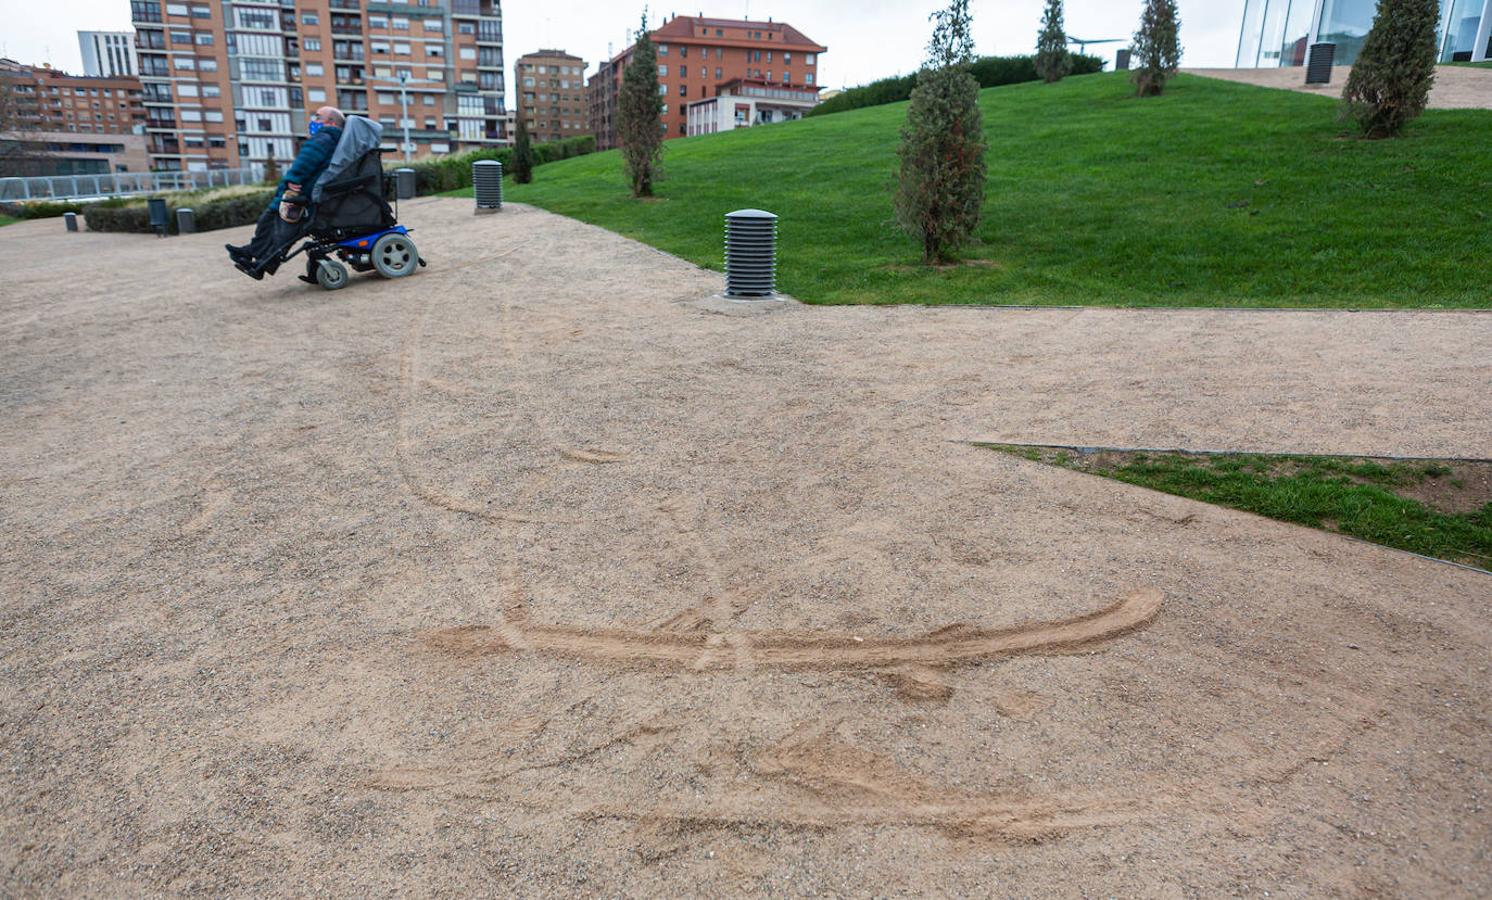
[(1215, 194), (1439, 508)]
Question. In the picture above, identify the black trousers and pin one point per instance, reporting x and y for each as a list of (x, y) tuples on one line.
[(272, 234)]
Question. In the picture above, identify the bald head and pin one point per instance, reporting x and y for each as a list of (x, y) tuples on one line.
[(330, 115)]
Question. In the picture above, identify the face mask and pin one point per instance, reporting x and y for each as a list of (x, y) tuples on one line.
[(313, 127)]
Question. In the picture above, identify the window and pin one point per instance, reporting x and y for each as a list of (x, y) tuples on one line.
[(186, 89), (435, 50), (808, 79), (177, 9), (186, 62), (433, 24), (466, 28), (810, 59), (683, 90), (401, 50), (719, 73), (316, 95), (201, 12), (378, 47), (204, 38), (428, 99), (787, 77), (378, 21), (315, 69), (662, 71), (216, 142), (190, 115), (211, 90), (181, 37), (787, 59), (471, 53), (387, 97), (683, 52), (399, 23), (207, 64), (663, 90), (311, 43), (662, 49)]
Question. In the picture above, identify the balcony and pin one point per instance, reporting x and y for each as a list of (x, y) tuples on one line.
[(345, 4), (490, 33), (353, 29), (486, 8)]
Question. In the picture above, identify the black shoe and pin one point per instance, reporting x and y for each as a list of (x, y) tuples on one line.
[(236, 252)]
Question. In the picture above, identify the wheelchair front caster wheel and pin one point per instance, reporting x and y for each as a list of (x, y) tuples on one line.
[(331, 274)]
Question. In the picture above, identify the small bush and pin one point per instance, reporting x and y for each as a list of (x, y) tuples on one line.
[(449, 173), (1390, 84), (1157, 47), (227, 211), (989, 71)]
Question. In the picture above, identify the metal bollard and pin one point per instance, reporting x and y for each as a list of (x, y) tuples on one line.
[(70, 219), (159, 223), (186, 221), (1121, 60), (750, 253), (404, 186), (487, 184), (1318, 67)]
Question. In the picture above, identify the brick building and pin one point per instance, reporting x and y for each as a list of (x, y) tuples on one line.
[(550, 95), (43, 99), (107, 54), (696, 55), (231, 83)]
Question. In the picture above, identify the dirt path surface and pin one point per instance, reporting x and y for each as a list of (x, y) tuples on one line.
[(527, 575), (1456, 87)]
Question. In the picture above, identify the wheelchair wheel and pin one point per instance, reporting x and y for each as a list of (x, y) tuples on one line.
[(394, 256), (331, 274)]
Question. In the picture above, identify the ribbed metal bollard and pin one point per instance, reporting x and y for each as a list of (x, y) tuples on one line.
[(404, 186), (487, 184), (1121, 60), (186, 221), (1318, 67), (70, 219), (159, 223), (750, 253)]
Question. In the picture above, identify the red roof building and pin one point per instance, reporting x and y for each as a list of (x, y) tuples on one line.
[(696, 56)]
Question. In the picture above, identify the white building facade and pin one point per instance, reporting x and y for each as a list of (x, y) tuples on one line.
[(1278, 33), (108, 54), (743, 104)]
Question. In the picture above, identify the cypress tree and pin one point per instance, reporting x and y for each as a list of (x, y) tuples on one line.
[(641, 115), (1053, 62), (1157, 47), (523, 155), (1390, 84), (940, 186)]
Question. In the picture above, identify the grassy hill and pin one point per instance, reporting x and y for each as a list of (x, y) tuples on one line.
[(1216, 194)]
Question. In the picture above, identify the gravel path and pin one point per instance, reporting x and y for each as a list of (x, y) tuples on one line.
[(527, 574), (1456, 87)]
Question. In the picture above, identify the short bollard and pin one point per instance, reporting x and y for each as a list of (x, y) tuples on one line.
[(186, 221), (70, 219), (404, 186), (487, 184), (159, 223), (1121, 60), (1318, 67), (750, 254)]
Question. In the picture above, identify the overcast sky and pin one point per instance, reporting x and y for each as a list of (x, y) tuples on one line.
[(867, 39)]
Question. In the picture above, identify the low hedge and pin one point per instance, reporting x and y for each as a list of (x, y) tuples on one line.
[(989, 71), (210, 214), (50, 209), (449, 173)]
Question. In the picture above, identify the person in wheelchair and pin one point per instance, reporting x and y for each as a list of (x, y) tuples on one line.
[(280, 223), (340, 208)]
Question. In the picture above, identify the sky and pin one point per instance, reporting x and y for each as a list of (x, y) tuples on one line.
[(867, 39)]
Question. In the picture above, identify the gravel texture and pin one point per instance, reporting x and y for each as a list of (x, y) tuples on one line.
[(531, 575)]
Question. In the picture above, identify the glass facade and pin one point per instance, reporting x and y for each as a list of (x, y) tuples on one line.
[(1280, 32)]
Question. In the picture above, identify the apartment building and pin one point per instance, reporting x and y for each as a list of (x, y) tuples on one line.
[(107, 54), (231, 83), (696, 55), (743, 103), (551, 95), (601, 96), (40, 98)]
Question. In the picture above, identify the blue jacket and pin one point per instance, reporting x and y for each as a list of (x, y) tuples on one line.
[(314, 156)]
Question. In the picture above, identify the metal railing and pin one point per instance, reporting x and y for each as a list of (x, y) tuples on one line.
[(123, 184)]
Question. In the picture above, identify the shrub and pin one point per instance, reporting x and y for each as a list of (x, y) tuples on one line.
[(227, 210), (449, 173), (640, 115), (1053, 62), (940, 186), (1390, 84), (1157, 47), (989, 71), (523, 155)]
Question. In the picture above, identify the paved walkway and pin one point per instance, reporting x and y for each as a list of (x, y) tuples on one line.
[(1456, 87), (527, 574)]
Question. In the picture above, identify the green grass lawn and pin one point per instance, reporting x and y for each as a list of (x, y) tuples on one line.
[(7, 220), (1215, 194), (1435, 508)]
